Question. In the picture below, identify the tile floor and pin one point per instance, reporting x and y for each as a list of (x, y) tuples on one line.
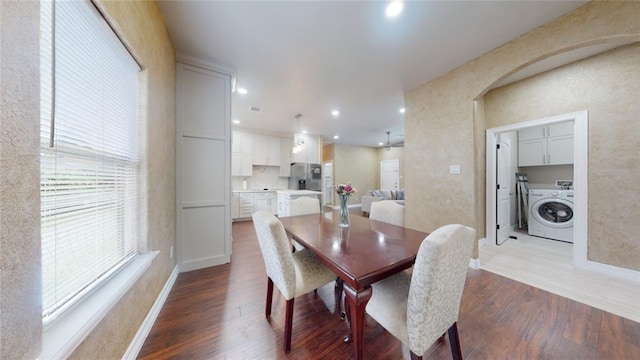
[(547, 264)]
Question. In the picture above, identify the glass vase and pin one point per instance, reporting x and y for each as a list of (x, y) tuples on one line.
[(344, 211)]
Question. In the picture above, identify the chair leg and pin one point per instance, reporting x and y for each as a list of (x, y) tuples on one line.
[(288, 323), (414, 356), (338, 297), (267, 310), (454, 342)]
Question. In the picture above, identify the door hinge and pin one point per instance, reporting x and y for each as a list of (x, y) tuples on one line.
[(498, 186), (497, 146), (497, 226)]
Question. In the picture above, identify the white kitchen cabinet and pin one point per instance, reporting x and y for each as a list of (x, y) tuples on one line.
[(286, 196), (285, 157), (246, 205), (267, 201), (242, 142), (266, 150), (248, 202), (241, 164), (241, 154), (310, 153), (235, 206), (546, 145)]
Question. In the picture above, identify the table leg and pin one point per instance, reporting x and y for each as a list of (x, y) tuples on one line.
[(357, 304)]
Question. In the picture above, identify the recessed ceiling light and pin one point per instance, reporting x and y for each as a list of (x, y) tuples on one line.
[(304, 131), (402, 111), (242, 91), (336, 137), (380, 143), (236, 121), (335, 113), (394, 8)]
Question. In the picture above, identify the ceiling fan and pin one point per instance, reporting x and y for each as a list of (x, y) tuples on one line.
[(389, 145)]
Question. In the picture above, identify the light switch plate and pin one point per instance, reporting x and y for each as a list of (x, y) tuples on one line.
[(454, 169)]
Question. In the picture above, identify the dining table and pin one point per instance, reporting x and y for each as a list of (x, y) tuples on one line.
[(361, 254)]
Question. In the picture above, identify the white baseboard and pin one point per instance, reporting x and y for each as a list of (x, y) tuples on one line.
[(474, 263), (614, 270), (138, 340)]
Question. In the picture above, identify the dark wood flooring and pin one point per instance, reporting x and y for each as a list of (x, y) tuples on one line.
[(218, 313)]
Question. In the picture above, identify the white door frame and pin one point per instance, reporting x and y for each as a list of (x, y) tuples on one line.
[(580, 177)]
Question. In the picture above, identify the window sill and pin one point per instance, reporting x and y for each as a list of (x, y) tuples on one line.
[(61, 338)]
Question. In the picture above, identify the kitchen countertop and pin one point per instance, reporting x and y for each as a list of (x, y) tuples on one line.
[(256, 190), (299, 192)]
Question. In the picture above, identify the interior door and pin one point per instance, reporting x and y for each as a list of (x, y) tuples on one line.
[(504, 176), (389, 174), (327, 183)]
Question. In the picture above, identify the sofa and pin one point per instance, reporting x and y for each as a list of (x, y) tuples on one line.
[(379, 195)]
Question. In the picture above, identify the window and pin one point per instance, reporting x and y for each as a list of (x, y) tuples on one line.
[(88, 152)]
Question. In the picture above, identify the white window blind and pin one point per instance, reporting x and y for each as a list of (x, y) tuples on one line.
[(89, 176)]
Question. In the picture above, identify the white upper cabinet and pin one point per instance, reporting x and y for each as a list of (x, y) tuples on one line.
[(266, 150), (241, 154), (242, 142), (546, 145), (285, 157)]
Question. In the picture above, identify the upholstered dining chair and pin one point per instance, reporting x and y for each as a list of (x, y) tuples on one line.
[(387, 211), (294, 274), (418, 308), (305, 205)]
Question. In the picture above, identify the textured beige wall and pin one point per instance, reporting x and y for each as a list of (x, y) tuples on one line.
[(20, 280), (141, 26), (442, 127), (357, 165), (392, 154), (614, 145)]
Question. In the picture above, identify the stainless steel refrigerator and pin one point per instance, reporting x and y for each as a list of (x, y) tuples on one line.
[(305, 176)]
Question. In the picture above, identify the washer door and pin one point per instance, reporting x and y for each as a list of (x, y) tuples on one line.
[(555, 213)]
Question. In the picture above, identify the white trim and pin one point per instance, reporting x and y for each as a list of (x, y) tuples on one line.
[(138, 340), (580, 166), (613, 270), (474, 263), (194, 61), (63, 336)]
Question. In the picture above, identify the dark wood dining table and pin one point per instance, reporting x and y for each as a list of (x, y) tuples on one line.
[(365, 252)]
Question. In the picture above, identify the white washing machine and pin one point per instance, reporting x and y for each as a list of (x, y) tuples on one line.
[(551, 214)]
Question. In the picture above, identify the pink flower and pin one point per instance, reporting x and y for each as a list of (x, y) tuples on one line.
[(345, 189)]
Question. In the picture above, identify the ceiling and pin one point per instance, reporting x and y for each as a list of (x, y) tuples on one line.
[(312, 57)]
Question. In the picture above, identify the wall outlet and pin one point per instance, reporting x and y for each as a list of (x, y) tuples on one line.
[(171, 252), (454, 169)]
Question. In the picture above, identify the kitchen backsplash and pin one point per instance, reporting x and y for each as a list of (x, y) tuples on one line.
[(263, 177)]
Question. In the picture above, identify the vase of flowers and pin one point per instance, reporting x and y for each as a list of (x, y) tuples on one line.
[(344, 192)]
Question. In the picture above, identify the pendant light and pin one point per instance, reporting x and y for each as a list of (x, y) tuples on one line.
[(298, 140)]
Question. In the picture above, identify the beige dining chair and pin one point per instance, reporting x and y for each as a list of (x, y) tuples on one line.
[(418, 308), (294, 274), (305, 205), (387, 211)]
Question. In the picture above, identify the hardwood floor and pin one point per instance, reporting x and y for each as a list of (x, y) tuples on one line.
[(218, 313)]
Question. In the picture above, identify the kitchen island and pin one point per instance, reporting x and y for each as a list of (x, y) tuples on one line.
[(286, 196)]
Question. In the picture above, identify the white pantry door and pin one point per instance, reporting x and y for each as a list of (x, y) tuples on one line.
[(203, 164)]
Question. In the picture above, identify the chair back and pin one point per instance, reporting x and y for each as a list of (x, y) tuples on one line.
[(305, 205), (437, 283), (276, 252), (387, 211)]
